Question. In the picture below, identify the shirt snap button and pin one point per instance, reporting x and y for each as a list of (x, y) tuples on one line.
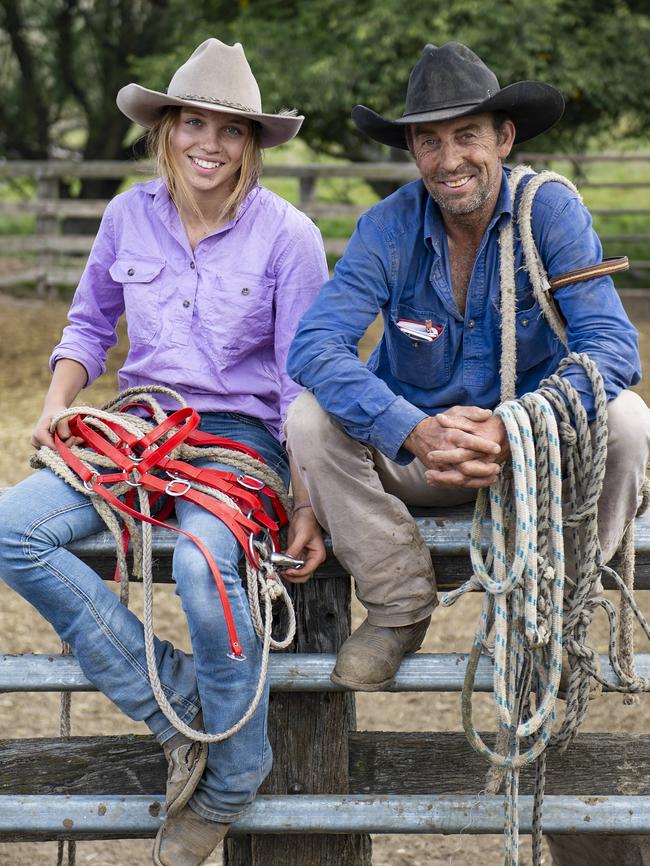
[(192, 265), (186, 303), (131, 271), (524, 322), (245, 291), (471, 323)]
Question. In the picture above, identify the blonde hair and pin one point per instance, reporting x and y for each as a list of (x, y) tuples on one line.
[(159, 148)]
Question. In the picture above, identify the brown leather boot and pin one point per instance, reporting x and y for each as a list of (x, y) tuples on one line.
[(187, 840), (370, 657), (186, 760)]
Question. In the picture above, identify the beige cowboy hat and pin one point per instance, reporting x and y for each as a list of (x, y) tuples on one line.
[(216, 77)]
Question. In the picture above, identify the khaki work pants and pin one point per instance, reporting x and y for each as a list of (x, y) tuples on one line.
[(360, 497)]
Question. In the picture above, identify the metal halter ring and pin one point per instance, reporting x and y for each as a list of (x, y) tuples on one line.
[(170, 484), (250, 483), (259, 550)]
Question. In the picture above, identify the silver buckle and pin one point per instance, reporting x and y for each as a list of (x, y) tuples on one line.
[(170, 484), (250, 482)]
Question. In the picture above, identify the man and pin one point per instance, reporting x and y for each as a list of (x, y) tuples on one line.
[(415, 425)]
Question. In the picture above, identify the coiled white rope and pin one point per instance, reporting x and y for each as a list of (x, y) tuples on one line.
[(527, 617)]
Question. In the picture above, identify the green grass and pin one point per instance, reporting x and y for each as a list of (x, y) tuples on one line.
[(357, 192)]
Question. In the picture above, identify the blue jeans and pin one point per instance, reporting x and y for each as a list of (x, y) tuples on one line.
[(42, 514)]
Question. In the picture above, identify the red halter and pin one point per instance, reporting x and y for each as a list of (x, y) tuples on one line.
[(139, 458)]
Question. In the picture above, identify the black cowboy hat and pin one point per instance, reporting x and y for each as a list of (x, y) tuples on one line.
[(453, 82)]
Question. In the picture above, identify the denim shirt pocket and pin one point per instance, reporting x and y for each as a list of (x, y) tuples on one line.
[(422, 363), (141, 281), (536, 341)]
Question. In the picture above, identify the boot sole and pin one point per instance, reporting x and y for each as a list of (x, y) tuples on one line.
[(361, 687)]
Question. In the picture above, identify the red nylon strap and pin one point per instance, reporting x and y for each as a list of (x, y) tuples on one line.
[(240, 526), (196, 438), (190, 419), (227, 482), (99, 443), (186, 419), (223, 595), (199, 439)]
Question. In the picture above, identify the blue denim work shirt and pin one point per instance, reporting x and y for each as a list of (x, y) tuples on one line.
[(397, 263)]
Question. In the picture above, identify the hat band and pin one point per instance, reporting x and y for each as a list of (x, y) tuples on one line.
[(444, 106), (225, 102)]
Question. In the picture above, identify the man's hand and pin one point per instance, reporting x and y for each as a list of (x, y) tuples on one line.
[(463, 447), (305, 542)]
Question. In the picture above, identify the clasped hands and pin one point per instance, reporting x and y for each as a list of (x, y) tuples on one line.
[(462, 447)]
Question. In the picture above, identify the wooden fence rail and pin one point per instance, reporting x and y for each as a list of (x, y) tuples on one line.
[(49, 257), (331, 784)]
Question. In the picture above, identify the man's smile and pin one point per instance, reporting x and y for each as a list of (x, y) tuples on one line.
[(457, 182)]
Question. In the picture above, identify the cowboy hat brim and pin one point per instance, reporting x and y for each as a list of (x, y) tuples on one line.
[(532, 106), (144, 106)]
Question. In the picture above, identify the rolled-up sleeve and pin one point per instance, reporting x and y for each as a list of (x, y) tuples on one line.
[(96, 308), (324, 355)]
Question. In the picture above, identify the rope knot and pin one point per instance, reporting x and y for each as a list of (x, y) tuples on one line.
[(567, 433)]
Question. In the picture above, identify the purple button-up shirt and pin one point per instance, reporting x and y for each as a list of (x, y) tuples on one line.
[(214, 323)]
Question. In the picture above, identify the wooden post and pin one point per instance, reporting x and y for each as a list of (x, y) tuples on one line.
[(309, 736), (47, 188), (307, 187)]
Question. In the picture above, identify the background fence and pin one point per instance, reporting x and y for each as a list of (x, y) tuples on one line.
[(36, 247)]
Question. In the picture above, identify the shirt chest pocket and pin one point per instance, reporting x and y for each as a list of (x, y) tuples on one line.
[(536, 341), (241, 314), (141, 281), (422, 363)]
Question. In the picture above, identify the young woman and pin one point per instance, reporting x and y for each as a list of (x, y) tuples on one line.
[(213, 272)]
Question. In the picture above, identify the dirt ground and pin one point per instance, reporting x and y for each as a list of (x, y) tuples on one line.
[(28, 330)]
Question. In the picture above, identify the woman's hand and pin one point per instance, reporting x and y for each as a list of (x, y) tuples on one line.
[(306, 543), (68, 378), (42, 434)]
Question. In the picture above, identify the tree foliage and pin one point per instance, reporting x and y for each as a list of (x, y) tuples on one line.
[(327, 56), (64, 60)]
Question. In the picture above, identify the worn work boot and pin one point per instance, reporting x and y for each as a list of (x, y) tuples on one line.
[(186, 760), (187, 839), (370, 657)]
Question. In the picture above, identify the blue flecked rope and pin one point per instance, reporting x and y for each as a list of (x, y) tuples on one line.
[(523, 579)]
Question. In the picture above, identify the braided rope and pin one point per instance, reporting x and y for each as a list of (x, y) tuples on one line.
[(262, 584), (528, 618)]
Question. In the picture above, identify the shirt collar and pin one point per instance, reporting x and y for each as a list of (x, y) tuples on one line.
[(163, 204), (434, 227), (166, 210)]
